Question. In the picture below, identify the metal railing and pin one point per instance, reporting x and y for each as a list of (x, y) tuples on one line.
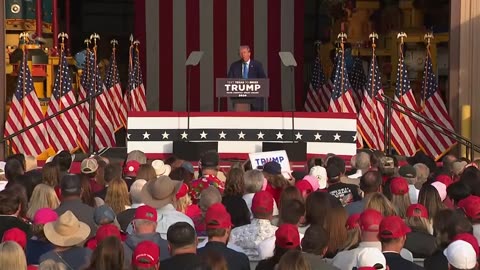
[(91, 135), (471, 148)]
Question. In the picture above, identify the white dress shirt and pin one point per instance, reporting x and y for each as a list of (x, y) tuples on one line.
[(250, 235)]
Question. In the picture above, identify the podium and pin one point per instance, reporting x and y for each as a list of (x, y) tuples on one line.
[(242, 92)]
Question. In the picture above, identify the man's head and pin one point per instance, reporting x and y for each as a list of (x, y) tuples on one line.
[(20, 157), (315, 240), (447, 162), (13, 169), (253, 181), (333, 174), (244, 52), (146, 255), (337, 162), (71, 186), (409, 173), (362, 161), (138, 156), (104, 214), (209, 161), (208, 197), (145, 219), (369, 222), (64, 160), (218, 222), (292, 212), (262, 205), (136, 190), (388, 165), (112, 171), (182, 238), (393, 233), (423, 172), (371, 182)]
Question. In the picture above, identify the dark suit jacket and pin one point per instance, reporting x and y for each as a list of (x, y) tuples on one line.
[(396, 262), (255, 70)]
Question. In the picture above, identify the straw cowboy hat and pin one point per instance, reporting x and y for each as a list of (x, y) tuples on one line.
[(161, 168), (67, 231), (159, 192)]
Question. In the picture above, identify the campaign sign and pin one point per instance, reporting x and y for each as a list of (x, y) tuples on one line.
[(242, 88), (258, 159)]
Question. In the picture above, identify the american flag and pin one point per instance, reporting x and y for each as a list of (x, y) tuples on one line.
[(135, 83), (91, 83), (319, 91), (341, 100), (84, 119), (432, 142), (358, 80), (62, 131), (404, 127), (24, 111), (372, 112), (114, 93)]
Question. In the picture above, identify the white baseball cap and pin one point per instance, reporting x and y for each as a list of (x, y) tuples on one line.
[(161, 168), (321, 174), (461, 255), (371, 257)]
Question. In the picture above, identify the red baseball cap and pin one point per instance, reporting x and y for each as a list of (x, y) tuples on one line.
[(417, 210), (146, 212), (353, 221), (287, 236), (471, 206), (217, 217), (131, 168), (107, 230), (146, 254), (15, 235), (443, 178), (393, 227), (399, 186), (182, 191), (370, 220), (262, 202), (469, 238), (304, 186)]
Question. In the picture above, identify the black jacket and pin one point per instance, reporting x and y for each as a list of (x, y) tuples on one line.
[(188, 261), (235, 260), (396, 262), (437, 261), (420, 244), (255, 70)]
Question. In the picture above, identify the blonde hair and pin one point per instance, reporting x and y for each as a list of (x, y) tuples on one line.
[(51, 265), (12, 256), (353, 238), (43, 196), (420, 224), (378, 201), (117, 195), (293, 260), (183, 203), (401, 203)]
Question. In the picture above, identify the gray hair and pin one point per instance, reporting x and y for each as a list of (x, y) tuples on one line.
[(411, 181), (136, 190), (422, 172), (362, 161), (208, 197), (253, 180), (138, 156), (244, 47), (144, 222)]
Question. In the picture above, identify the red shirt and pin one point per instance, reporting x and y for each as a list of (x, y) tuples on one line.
[(275, 192), (196, 186)]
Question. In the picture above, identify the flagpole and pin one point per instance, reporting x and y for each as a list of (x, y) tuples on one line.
[(24, 35), (136, 42), (343, 37), (130, 65), (94, 36), (373, 36), (62, 35), (401, 35), (428, 37)]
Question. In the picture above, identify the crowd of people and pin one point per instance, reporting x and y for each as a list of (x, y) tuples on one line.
[(378, 213)]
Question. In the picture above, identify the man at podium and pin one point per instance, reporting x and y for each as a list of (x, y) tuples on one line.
[(247, 68)]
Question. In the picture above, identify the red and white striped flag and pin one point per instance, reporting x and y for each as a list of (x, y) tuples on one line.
[(341, 100), (319, 91), (404, 126), (114, 93), (62, 129), (136, 89), (91, 84), (432, 142), (25, 110), (372, 112), (84, 117)]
